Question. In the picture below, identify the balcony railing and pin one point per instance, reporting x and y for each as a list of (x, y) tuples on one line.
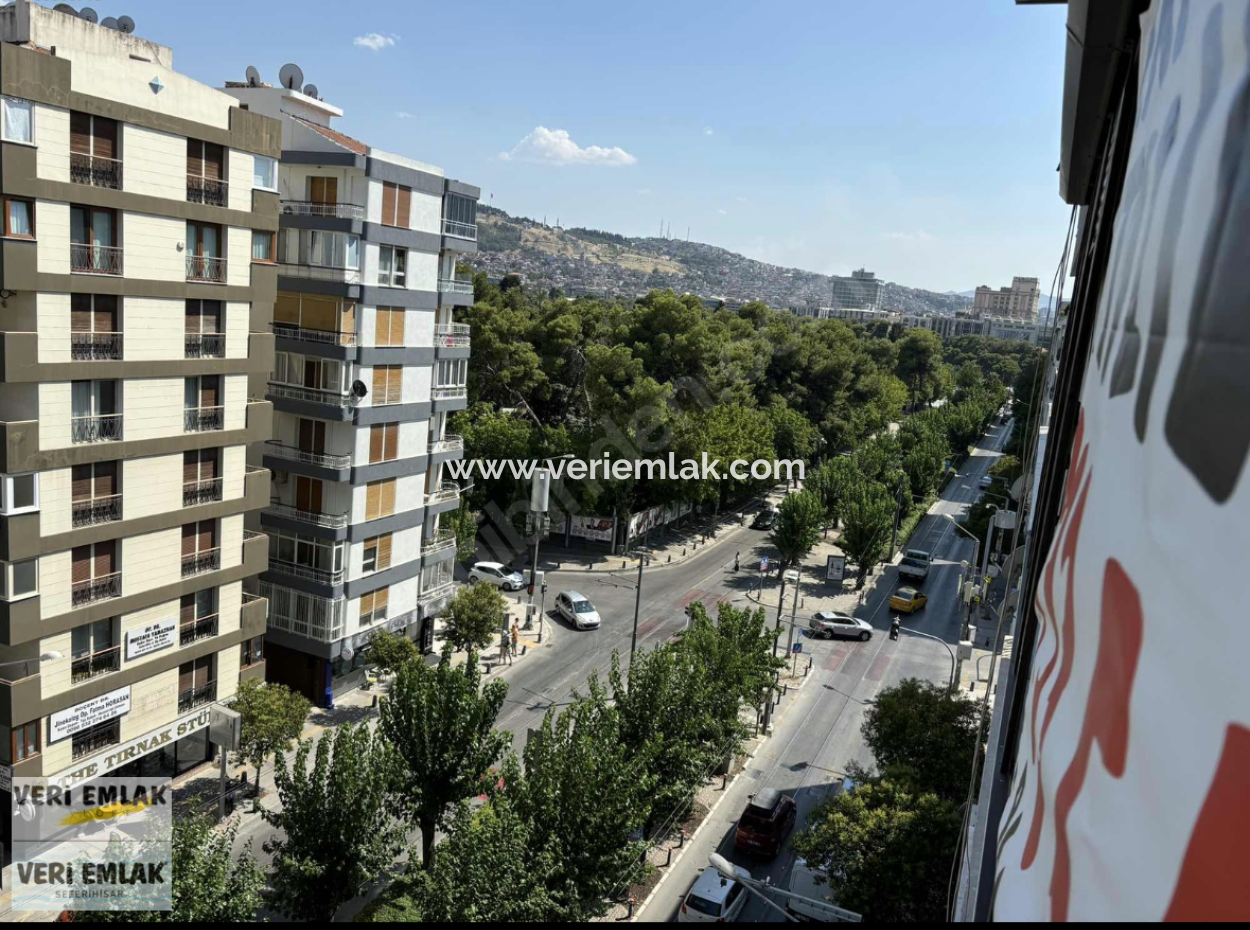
[(447, 492), (320, 272), (449, 443), (204, 419), (95, 170), (344, 211), (449, 392), (97, 738), (443, 539), (460, 230), (207, 268), (194, 630), (322, 336), (296, 454), (310, 572), (197, 696), (87, 347), (201, 492), (214, 192), (96, 510), (456, 285), (451, 335), (103, 428), (205, 345), (82, 668), (311, 395), (86, 258), (442, 589), (196, 563), (96, 589), (334, 520)]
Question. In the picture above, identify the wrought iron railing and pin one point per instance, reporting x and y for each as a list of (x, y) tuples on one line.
[(296, 454), (303, 334), (346, 211), (197, 696), (81, 668), (95, 510), (102, 428), (194, 630), (210, 269), (201, 492), (204, 419), (87, 347), (96, 589), (335, 520), (211, 191), (88, 258), (312, 395), (310, 572), (205, 345), (95, 170), (97, 738)]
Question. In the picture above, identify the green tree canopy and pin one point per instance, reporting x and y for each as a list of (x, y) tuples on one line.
[(475, 616), (272, 716)]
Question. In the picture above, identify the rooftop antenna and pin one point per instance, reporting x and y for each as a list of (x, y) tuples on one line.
[(291, 77), (109, 22), (253, 76), (65, 8), (310, 90), (125, 24), (89, 15)]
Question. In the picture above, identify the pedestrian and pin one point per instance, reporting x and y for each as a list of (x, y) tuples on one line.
[(736, 557), (516, 638), (505, 648)]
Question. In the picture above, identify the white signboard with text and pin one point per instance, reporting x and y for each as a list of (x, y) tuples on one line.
[(65, 723), (151, 638)]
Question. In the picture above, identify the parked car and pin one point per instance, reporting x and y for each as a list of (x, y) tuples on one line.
[(915, 565), (765, 520), (987, 481), (766, 822), (498, 575), (713, 899), (827, 625), (577, 610), (907, 600)]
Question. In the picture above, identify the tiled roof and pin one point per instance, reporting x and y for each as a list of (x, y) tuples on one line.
[(353, 145)]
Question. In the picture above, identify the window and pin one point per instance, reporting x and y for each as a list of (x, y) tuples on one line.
[(19, 493), (333, 250), (452, 373), (396, 204), (389, 326), (335, 318), (308, 494), (206, 172), (383, 442), (309, 371), (265, 172), (19, 120), (387, 384), (98, 737), (25, 735), (373, 606), (93, 155), (377, 555), (95, 332), (323, 190), (201, 476), (392, 267), (19, 579), (199, 548), (94, 650), (93, 241), (96, 411), (19, 218), (197, 616), (311, 436), (262, 246), (95, 494), (459, 211), (203, 329), (252, 651), (204, 253), (379, 499), (196, 684), (306, 556)]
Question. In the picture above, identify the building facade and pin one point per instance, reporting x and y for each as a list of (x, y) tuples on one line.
[(369, 364), (138, 283), (863, 290), (1018, 302)]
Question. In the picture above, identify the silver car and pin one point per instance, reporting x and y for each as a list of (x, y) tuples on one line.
[(828, 625), (498, 575), (577, 610)]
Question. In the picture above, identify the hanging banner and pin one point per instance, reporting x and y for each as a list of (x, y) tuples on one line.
[(597, 528), (151, 638), (835, 568), (65, 723)]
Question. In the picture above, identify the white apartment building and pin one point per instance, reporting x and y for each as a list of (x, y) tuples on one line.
[(140, 211), (1018, 302), (369, 363), (863, 290)]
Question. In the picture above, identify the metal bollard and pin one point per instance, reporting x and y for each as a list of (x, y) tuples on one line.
[(669, 859), (670, 557), (623, 563), (681, 837), (375, 701), (524, 649), (683, 550), (724, 781)]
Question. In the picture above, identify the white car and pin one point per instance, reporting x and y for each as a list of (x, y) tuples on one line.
[(987, 481), (713, 899), (828, 625), (577, 610), (498, 575)]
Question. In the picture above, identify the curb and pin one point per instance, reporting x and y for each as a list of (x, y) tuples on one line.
[(654, 564)]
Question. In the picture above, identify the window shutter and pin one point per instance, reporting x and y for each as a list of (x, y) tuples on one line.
[(390, 449), (366, 605), (373, 500), (387, 503), (388, 204), (193, 316), (397, 327), (81, 483), (188, 539), (105, 316), (79, 133), (384, 551), (381, 600), (379, 384), (214, 161), (403, 207), (81, 559), (186, 608), (208, 535), (195, 158), (80, 313), (186, 676), (376, 443), (208, 464), (210, 387), (190, 467), (210, 316), (105, 553), (105, 479), (104, 142)]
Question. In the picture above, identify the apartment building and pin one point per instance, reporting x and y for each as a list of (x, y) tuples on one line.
[(369, 363), (1018, 302), (136, 296), (863, 290)]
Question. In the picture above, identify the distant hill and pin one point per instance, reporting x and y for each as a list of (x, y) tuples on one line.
[(591, 261)]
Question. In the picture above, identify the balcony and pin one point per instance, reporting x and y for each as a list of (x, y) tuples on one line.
[(89, 347), (320, 336), (209, 269), (449, 443), (195, 630), (196, 563), (319, 272), (439, 541), (451, 335), (460, 230), (103, 428), (310, 395), (204, 419), (310, 572), (86, 258), (95, 510), (95, 170), (296, 454), (197, 697), (83, 668), (317, 518), (201, 492), (437, 592), (457, 285), (209, 191), (205, 345), (449, 392), (447, 492), (96, 738), (342, 211), (96, 589)]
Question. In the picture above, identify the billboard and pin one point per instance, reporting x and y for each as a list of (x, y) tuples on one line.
[(599, 528)]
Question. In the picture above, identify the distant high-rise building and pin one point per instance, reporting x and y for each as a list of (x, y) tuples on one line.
[(861, 291), (1018, 302)]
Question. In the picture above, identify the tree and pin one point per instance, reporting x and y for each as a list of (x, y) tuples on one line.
[(211, 883), (335, 831), (508, 282), (1008, 468), (798, 527), (272, 716), (867, 516), (440, 722), (463, 522), (887, 850), (793, 434), (920, 363), (475, 616), (392, 651), (923, 727)]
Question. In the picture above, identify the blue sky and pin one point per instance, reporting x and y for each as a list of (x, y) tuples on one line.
[(919, 139)]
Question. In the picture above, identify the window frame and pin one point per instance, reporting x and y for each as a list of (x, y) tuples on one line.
[(252, 649), (5, 101), (38, 741), (30, 214), (6, 580), (6, 493), (273, 247), (395, 276), (273, 172)]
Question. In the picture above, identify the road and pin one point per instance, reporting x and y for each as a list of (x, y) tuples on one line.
[(818, 735)]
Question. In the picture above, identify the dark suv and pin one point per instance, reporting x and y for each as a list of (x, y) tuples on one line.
[(765, 824), (766, 520)]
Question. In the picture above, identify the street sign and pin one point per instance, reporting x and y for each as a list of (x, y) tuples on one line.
[(798, 647), (764, 564), (835, 568)]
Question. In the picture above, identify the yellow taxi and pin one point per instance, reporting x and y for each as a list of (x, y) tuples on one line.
[(907, 600)]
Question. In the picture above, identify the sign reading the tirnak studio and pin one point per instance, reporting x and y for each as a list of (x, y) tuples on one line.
[(66, 723), (151, 638), (118, 756)]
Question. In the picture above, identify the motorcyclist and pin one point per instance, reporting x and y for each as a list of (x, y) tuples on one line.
[(894, 626)]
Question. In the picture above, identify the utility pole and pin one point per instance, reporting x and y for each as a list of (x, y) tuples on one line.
[(794, 608), (898, 513), (633, 642), (540, 493), (781, 600)]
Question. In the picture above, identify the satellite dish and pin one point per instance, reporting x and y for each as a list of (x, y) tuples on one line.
[(126, 24), (253, 76), (359, 390), (310, 90), (65, 8), (109, 22), (291, 76), (89, 15)]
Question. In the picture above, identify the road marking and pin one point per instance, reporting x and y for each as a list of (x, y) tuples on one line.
[(878, 667)]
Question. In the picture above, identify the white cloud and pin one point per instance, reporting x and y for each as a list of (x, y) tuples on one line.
[(374, 41), (404, 114), (643, 191), (918, 236), (741, 200), (707, 130), (723, 212), (555, 147)]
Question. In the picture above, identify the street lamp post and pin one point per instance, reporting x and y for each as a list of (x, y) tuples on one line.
[(633, 642), (945, 645), (540, 497), (794, 609)]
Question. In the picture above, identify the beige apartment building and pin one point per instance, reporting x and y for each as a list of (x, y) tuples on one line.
[(137, 283), (1018, 302)]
